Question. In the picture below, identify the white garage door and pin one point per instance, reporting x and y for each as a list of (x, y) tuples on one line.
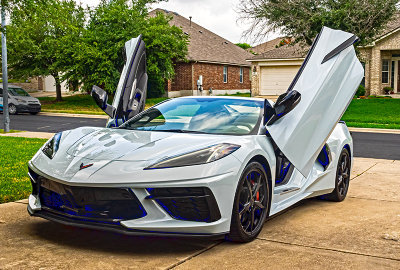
[(275, 80)]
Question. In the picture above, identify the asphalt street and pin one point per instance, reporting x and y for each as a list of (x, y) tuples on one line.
[(366, 145), (44, 123)]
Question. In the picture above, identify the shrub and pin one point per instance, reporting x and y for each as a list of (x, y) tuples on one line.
[(360, 91), (387, 90)]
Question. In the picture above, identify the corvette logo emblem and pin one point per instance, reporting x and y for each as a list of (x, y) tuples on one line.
[(85, 166)]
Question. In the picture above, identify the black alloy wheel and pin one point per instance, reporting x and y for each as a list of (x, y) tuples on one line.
[(12, 109), (342, 178), (251, 204)]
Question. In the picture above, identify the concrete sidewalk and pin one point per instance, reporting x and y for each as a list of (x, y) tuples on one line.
[(362, 232)]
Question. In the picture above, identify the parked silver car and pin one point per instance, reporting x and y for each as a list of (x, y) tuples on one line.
[(20, 101)]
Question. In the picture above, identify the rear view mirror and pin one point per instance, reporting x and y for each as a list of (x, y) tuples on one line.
[(284, 104), (101, 97)]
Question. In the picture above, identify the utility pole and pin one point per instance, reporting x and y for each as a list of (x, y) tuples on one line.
[(4, 66)]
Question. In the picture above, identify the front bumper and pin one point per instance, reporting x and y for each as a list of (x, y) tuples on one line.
[(158, 220), (31, 108)]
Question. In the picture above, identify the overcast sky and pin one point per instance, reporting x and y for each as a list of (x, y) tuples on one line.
[(218, 16)]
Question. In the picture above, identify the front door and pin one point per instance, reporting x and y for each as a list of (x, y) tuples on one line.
[(398, 76), (327, 82), (130, 97)]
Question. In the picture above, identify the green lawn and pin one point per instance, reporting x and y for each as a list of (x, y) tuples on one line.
[(15, 154), (83, 104), (11, 131), (373, 113)]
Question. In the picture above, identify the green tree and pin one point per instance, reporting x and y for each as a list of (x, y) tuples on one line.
[(303, 19), (244, 46), (98, 57), (37, 36)]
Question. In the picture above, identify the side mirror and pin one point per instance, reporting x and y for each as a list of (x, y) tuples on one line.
[(284, 104), (100, 97)]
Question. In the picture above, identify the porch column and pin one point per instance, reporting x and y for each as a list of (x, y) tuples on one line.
[(255, 80), (376, 72)]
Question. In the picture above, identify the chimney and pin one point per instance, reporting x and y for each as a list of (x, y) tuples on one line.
[(190, 17)]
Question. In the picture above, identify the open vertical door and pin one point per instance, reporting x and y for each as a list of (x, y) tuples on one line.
[(130, 96), (327, 81)]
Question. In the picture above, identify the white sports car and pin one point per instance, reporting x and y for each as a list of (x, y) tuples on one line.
[(203, 166)]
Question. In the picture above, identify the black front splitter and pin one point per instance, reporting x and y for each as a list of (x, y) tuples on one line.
[(114, 227)]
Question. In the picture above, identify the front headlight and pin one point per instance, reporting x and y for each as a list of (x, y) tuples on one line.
[(201, 156), (51, 147)]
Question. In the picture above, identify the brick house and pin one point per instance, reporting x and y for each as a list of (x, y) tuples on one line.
[(382, 60), (217, 62), (275, 68)]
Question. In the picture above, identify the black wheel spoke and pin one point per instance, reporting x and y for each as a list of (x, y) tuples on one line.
[(245, 209), (252, 201), (259, 204)]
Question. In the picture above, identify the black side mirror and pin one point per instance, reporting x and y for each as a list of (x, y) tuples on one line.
[(284, 104), (101, 97)]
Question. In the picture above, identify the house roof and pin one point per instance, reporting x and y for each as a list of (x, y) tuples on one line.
[(392, 25), (206, 46), (267, 46), (300, 51), (288, 51)]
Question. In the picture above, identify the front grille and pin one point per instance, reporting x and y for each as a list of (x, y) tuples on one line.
[(93, 204), (192, 203)]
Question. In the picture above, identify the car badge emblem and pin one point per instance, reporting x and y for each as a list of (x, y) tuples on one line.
[(85, 166)]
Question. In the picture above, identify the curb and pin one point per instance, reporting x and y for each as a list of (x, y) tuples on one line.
[(375, 130), (73, 115), (29, 134)]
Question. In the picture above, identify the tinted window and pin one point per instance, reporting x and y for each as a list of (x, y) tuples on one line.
[(18, 92)]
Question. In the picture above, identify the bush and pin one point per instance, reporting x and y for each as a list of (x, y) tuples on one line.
[(360, 91), (387, 90)]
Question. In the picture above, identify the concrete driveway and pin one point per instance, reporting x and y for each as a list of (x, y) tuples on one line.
[(363, 232)]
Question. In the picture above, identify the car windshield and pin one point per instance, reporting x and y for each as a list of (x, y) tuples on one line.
[(201, 115), (18, 92)]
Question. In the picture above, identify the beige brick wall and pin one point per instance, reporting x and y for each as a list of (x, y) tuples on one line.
[(373, 57), (255, 79)]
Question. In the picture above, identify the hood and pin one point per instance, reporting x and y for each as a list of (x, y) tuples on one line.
[(25, 98), (135, 145), (103, 147)]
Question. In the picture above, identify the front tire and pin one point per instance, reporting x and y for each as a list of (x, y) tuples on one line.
[(251, 204), (12, 109), (342, 180)]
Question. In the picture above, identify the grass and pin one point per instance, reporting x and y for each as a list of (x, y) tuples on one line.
[(82, 104), (373, 113), (11, 131), (15, 154)]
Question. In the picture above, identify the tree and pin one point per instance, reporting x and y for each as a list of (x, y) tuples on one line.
[(38, 34), (98, 56), (303, 19), (244, 46)]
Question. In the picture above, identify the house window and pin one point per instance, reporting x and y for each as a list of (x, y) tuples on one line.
[(241, 75), (363, 79), (385, 71), (392, 75), (225, 74)]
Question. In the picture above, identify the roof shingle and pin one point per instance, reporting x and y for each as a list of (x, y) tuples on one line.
[(300, 51), (206, 46)]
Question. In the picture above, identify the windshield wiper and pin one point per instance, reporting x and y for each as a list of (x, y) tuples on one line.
[(180, 131)]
